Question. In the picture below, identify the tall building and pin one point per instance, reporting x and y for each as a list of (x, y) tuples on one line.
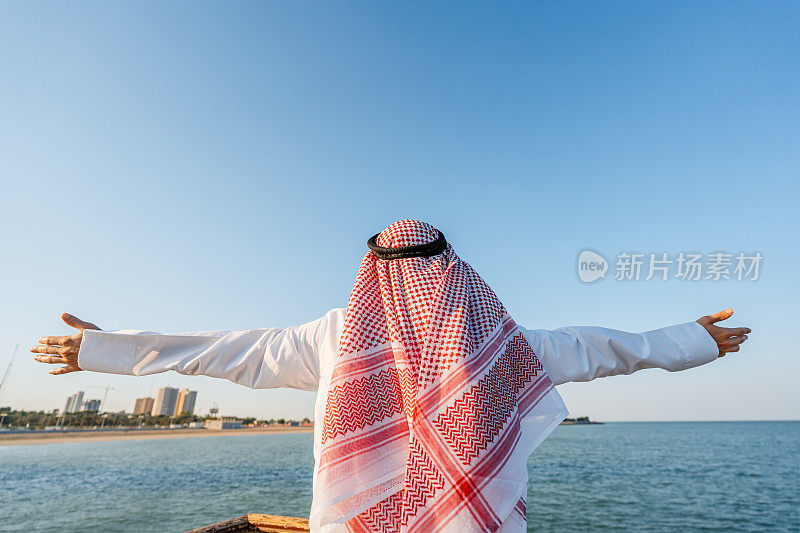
[(185, 403), (92, 405), (74, 403), (164, 403), (144, 406)]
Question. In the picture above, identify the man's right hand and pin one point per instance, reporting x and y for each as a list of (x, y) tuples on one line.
[(63, 349)]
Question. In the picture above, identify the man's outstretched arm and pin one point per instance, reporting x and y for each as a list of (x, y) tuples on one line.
[(584, 353), (260, 358)]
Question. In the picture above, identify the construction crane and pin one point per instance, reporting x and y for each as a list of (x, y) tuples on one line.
[(8, 371), (102, 403)]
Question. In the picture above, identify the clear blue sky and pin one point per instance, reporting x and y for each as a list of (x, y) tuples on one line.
[(193, 166)]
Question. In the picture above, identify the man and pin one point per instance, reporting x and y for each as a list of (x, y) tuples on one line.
[(430, 397)]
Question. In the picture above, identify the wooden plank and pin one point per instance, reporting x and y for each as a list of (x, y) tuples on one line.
[(278, 524), (241, 523)]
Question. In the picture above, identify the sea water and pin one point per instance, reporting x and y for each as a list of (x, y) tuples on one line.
[(670, 476)]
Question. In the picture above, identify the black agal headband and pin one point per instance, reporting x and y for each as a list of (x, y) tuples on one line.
[(401, 252)]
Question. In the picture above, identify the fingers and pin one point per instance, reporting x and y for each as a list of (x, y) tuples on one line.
[(733, 341), (64, 370), (52, 359), (732, 344), (63, 349), (65, 340), (735, 332), (716, 317), (55, 350), (76, 322)]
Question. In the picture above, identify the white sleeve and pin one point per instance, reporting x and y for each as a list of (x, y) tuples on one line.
[(584, 353), (257, 358)]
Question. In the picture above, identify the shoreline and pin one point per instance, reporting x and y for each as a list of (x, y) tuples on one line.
[(56, 437), (20, 439)]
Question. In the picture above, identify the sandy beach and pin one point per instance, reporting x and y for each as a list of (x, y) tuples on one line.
[(13, 439)]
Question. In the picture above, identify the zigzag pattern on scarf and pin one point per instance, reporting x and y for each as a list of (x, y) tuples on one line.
[(385, 516), (423, 479), (472, 422), (362, 402)]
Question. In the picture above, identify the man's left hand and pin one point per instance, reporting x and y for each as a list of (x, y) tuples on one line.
[(728, 339)]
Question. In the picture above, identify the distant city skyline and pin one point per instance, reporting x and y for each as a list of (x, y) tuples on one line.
[(169, 401), (181, 401), (75, 403)]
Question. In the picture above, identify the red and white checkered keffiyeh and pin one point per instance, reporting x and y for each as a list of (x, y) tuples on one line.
[(436, 401)]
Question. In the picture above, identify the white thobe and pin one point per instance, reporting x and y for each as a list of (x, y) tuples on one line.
[(302, 357)]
